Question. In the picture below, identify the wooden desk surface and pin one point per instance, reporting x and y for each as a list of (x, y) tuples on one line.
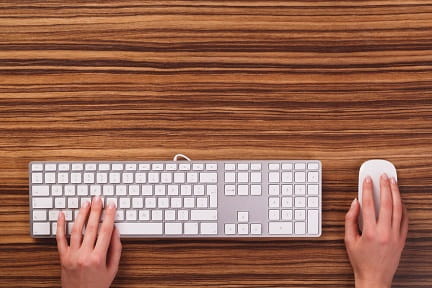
[(337, 81)]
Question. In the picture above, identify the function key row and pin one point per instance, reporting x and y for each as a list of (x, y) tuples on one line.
[(293, 166), (121, 167), (271, 166)]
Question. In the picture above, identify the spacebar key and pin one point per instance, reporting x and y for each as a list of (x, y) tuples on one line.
[(139, 228)]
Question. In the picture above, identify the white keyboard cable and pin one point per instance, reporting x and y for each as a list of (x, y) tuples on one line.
[(182, 156)]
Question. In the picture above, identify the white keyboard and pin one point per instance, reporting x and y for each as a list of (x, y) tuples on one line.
[(230, 198)]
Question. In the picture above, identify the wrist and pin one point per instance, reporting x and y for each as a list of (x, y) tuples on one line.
[(365, 283)]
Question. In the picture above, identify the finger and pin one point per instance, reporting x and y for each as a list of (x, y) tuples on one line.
[(404, 225), (386, 205), (114, 251), (351, 224), (77, 228), (62, 244), (105, 233), (93, 224), (368, 206), (397, 206)]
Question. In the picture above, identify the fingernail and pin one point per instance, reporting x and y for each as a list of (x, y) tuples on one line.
[(96, 199), (86, 204), (393, 180), (353, 202), (368, 179), (60, 214), (111, 205), (384, 176)]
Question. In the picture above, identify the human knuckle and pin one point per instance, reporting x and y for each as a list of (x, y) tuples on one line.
[(83, 261), (105, 230), (348, 216), (66, 263), (96, 260), (347, 240), (369, 235), (91, 227), (384, 238)]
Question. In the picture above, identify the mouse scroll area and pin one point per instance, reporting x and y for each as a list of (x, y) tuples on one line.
[(374, 168)]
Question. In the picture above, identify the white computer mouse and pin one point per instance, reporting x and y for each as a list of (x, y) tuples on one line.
[(374, 168)]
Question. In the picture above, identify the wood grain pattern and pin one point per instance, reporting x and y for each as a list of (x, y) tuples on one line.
[(339, 81)]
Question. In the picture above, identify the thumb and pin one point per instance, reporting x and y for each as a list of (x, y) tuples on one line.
[(351, 224)]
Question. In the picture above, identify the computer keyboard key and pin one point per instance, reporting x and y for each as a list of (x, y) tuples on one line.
[(280, 228), (203, 215), (150, 202), (230, 167), (50, 178), (41, 228), (130, 167), (286, 215), (256, 190), (40, 190), (43, 203), (184, 167), (117, 167), (313, 222), (300, 228), (63, 166), (198, 167), (230, 177), (313, 166), (255, 166), (300, 166), (300, 202), (173, 228), (39, 215), (242, 216), (287, 166), (37, 167), (256, 177), (208, 228), (300, 189), (313, 177), (127, 228), (144, 215), (242, 190), (242, 177), (312, 189), (300, 176), (274, 215), (273, 189), (104, 167), (230, 190), (300, 214), (230, 229), (287, 190), (243, 166), (211, 166), (191, 228), (313, 202), (243, 229), (90, 167), (274, 166), (208, 177), (131, 215), (146, 167), (255, 229), (37, 178)]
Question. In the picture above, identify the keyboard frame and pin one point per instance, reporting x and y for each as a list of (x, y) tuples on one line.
[(222, 215)]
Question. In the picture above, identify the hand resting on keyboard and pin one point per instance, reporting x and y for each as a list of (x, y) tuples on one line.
[(375, 254), (92, 260)]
